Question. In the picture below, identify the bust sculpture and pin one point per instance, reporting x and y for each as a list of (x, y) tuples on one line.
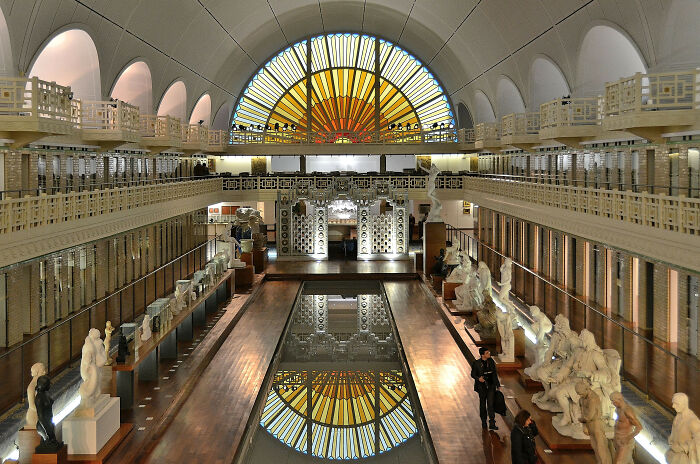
[(684, 442), (44, 425), (122, 348), (541, 326), (108, 340), (93, 358), (146, 328), (627, 426), (435, 214), (37, 370), (593, 426)]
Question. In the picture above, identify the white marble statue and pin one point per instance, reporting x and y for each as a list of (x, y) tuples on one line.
[(452, 255), (506, 270), (108, 340), (93, 358), (591, 364), (460, 272), (627, 426), (467, 295), (506, 322), (435, 205), (484, 274), (37, 370), (541, 326), (146, 328), (684, 442), (561, 346)]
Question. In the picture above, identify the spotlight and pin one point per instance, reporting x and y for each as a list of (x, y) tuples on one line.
[(267, 127), (294, 127), (435, 126), (241, 127), (285, 126), (416, 126), (200, 122), (259, 127), (70, 95), (400, 126), (277, 126)]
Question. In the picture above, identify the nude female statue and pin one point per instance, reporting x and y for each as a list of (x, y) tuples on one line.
[(37, 370)]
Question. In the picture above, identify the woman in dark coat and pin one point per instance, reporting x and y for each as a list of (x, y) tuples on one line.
[(522, 439)]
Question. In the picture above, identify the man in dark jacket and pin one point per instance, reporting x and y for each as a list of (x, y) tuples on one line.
[(486, 383)]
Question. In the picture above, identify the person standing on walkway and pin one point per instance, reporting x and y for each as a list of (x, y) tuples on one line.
[(486, 383), (522, 439)]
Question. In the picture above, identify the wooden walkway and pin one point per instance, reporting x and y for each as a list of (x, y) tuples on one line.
[(442, 377)]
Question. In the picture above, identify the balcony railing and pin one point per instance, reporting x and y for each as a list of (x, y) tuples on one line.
[(487, 131), (33, 101), (520, 124), (411, 136), (568, 112), (195, 134), (160, 127), (28, 213), (109, 116), (653, 92)]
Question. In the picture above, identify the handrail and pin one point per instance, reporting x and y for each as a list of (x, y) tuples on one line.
[(487, 131), (678, 90), (566, 112), (520, 124), (284, 136)]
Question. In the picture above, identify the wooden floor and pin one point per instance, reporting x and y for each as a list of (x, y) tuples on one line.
[(209, 425), (341, 269), (442, 378)]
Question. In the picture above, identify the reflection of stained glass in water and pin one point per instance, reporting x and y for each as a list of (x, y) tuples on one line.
[(342, 82), (345, 421)]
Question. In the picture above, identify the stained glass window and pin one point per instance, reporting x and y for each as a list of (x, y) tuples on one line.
[(337, 80), (353, 414)]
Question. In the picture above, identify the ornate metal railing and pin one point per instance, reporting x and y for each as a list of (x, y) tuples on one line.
[(653, 92)]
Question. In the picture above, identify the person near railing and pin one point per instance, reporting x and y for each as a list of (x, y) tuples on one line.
[(486, 383)]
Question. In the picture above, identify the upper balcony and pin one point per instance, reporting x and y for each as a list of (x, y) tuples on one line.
[(390, 142), (159, 133), (521, 130), (108, 124), (649, 105), (570, 120), (487, 136), (195, 138), (31, 109), (217, 141)]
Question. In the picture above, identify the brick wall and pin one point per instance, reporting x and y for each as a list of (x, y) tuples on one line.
[(661, 302)]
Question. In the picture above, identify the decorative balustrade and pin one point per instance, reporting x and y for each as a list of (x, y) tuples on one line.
[(32, 104), (410, 136), (566, 112), (653, 92), (486, 131), (109, 116), (31, 212), (160, 126), (217, 140), (194, 133), (520, 124)]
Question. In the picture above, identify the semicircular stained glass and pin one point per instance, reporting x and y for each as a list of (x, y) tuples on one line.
[(333, 79), (346, 421)]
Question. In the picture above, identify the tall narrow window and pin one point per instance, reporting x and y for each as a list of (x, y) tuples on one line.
[(693, 308), (42, 293), (635, 171), (41, 173), (693, 173)]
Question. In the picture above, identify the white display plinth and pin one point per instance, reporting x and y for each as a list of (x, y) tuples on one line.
[(87, 434)]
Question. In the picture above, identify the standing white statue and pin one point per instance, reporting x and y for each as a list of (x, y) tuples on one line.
[(484, 274), (592, 422), (505, 322), (37, 370), (541, 326), (465, 294), (684, 442), (108, 340), (460, 272), (506, 276), (627, 426), (146, 328), (435, 214), (93, 358)]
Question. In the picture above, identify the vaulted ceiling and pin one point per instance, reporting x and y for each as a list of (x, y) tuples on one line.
[(216, 45)]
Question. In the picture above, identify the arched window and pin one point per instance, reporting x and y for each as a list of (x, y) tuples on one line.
[(465, 117), (6, 62), (134, 86), (606, 55), (338, 91), (174, 101), (223, 116), (70, 58), (202, 110)]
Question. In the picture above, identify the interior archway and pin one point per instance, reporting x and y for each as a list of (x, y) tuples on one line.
[(174, 101), (465, 117), (202, 110), (606, 55), (482, 108), (547, 82), (6, 61), (508, 98), (223, 116), (70, 58), (134, 85)]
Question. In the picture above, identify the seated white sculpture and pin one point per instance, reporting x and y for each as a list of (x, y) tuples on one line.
[(561, 346), (684, 441), (452, 255), (541, 327), (459, 273), (31, 418), (467, 297), (146, 328), (93, 358), (588, 363)]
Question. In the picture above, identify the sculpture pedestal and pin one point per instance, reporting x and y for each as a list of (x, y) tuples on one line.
[(27, 440), (448, 290), (433, 240), (519, 340), (436, 282), (244, 277), (61, 457), (528, 382), (87, 435)]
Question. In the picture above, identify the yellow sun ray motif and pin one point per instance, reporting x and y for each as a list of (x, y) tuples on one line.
[(336, 93)]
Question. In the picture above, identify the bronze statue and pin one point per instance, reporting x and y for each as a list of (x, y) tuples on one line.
[(122, 348), (44, 426)]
